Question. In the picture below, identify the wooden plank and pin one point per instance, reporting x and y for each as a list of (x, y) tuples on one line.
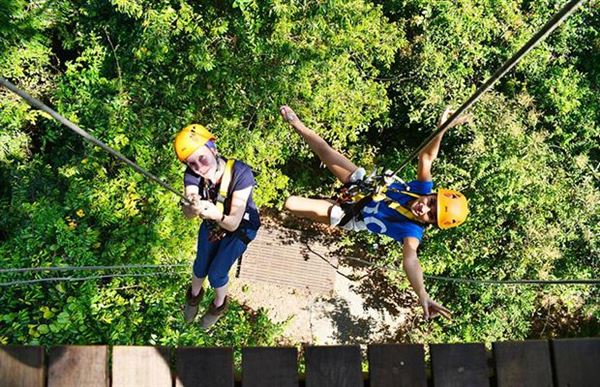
[(523, 364), (141, 367), (21, 366), (269, 367), (577, 362), (398, 365), (204, 367), (459, 365), (78, 365), (333, 366)]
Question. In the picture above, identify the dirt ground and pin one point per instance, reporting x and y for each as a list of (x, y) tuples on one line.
[(362, 309)]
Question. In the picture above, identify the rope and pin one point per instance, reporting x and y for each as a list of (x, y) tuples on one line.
[(593, 281), (33, 102), (61, 279), (547, 29), (91, 268)]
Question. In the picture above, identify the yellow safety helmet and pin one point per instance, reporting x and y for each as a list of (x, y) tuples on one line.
[(452, 208), (190, 139)]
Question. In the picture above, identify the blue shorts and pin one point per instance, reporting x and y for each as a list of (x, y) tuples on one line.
[(214, 259)]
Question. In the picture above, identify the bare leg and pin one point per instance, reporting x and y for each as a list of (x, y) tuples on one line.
[(337, 163), (197, 284), (315, 209), (220, 294)]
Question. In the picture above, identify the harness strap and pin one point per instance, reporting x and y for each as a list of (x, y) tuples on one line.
[(242, 235), (355, 209), (401, 209), (224, 185)]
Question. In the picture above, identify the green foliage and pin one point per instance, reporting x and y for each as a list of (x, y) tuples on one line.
[(370, 78)]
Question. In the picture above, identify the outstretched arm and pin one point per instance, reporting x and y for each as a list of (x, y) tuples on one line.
[(414, 273), (430, 152)]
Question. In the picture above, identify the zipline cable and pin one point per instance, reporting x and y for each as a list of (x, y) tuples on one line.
[(43, 107), (547, 29)]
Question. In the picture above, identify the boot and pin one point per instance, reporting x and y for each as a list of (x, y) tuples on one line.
[(191, 305), (213, 314)]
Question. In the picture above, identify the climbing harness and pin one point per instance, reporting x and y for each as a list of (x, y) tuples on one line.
[(216, 232), (451, 206), (354, 196), (224, 186)]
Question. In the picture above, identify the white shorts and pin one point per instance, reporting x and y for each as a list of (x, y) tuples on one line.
[(337, 213)]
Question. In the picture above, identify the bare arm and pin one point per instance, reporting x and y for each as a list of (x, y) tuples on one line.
[(413, 270), (238, 207), (428, 154), (412, 267), (239, 199)]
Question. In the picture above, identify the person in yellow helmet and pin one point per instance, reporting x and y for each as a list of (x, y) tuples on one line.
[(402, 212), (220, 192)]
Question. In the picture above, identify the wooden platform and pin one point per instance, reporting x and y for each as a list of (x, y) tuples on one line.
[(289, 258), (559, 363)]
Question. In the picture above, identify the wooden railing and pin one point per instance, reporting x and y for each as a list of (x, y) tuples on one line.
[(565, 362)]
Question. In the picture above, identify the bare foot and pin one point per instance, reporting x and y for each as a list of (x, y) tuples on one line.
[(448, 112), (289, 115)]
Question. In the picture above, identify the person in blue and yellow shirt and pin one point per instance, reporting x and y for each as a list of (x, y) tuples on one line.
[(402, 212)]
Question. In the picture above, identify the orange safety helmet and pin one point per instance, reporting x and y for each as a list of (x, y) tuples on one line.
[(190, 139), (452, 208)]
